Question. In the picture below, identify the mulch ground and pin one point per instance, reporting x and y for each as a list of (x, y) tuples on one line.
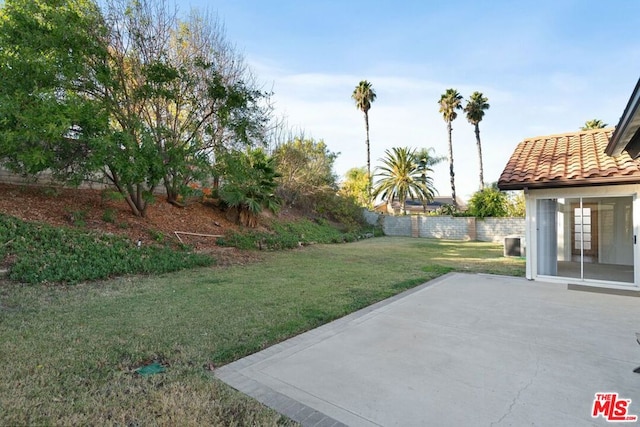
[(93, 210)]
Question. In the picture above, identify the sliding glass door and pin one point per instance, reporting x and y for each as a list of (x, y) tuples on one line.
[(586, 238)]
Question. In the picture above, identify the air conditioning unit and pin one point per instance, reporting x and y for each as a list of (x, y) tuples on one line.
[(514, 246)]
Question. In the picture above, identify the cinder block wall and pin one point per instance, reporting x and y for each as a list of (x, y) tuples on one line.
[(451, 228), (371, 217), (45, 179), (446, 227), (495, 229), (396, 225)]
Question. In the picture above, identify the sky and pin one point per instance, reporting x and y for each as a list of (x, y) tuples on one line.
[(545, 66)]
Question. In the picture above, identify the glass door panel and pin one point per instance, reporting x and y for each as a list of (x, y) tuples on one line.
[(586, 238), (608, 239)]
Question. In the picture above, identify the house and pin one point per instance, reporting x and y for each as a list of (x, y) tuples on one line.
[(582, 205), (416, 206)]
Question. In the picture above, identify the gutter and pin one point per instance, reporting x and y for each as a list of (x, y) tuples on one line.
[(590, 182), (625, 130)]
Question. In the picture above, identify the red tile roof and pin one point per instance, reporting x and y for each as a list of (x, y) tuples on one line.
[(567, 160)]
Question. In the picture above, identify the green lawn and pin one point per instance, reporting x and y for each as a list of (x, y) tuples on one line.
[(68, 352)]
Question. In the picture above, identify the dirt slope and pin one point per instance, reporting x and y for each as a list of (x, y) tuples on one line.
[(93, 210)]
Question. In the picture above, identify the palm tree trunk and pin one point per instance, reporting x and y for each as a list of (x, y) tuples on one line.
[(425, 202), (366, 125), (451, 174), (480, 156)]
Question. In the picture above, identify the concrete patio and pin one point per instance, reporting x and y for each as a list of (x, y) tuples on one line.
[(463, 349)]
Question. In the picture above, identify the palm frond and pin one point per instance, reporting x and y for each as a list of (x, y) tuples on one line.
[(364, 95), (450, 101), (401, 176), (475, 108)]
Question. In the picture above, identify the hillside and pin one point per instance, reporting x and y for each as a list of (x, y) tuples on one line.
[(93, 210)]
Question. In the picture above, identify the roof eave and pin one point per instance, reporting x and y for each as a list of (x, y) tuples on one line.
[(627, 127), (590, 182)]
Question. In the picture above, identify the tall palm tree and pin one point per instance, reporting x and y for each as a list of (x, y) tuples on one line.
[(401, 177), (594, 124), (475, 109), (450, 101), (426, 158), (364, 95)]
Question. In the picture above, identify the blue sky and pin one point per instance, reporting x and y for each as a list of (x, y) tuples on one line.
[(546, 67)]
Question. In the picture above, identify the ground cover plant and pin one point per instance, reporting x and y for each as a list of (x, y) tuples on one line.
[(69, 352), (291, 234), (42, 253)]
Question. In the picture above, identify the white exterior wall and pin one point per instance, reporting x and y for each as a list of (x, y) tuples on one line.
[(564, 247)]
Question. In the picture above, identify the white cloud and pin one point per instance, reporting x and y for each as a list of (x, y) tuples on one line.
[(406, 114)]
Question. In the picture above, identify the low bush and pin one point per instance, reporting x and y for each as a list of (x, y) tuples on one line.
[(41, 253), (288, 235), (339, 208)]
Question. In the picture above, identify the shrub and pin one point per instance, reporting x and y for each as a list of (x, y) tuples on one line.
[(250, 184), (288, 235), (489, 202), (344, 210)]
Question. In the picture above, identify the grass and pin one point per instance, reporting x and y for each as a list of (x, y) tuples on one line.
[(69, 352)]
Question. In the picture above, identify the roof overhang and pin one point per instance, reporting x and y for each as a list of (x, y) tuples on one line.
[(627, 134), (591, 182)]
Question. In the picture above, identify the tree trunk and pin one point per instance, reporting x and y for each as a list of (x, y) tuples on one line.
[(425, 201), (133, 206), (171, 190), (453, 184), (480, 156), (141, 203), (127, 193), (366, 125)]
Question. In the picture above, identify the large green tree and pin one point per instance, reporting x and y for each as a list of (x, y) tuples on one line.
[(132, 92), (47, 121), (593, 124), (401, 177), (177, 88), (516, 204), (364, 95), (356, 185), (475, 108), (450, 101), (306, 168), (488, 202)]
